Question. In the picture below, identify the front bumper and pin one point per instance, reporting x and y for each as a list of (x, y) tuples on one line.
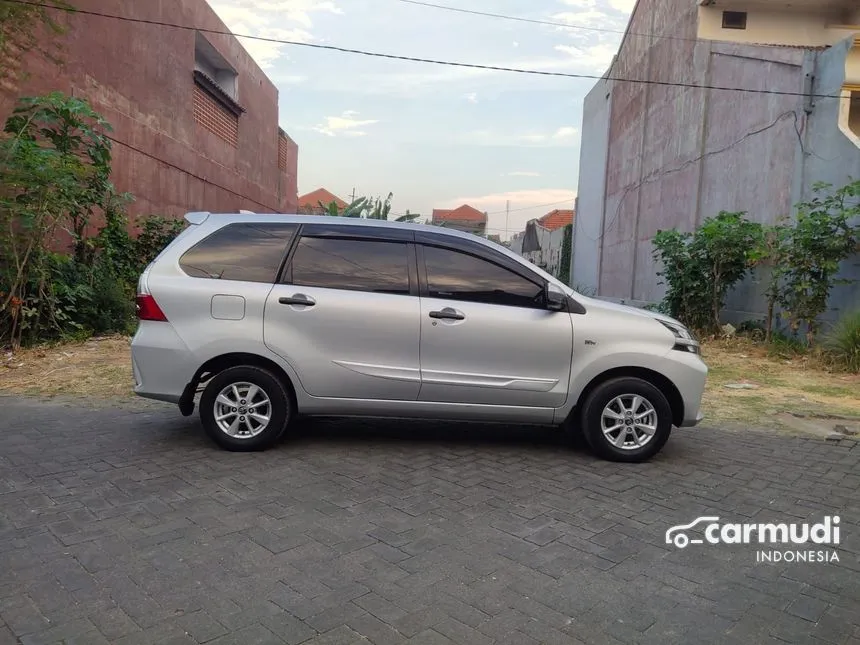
[(692, 423), (689, 374)]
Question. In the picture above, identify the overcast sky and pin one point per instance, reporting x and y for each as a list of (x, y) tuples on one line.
[(435, 136)]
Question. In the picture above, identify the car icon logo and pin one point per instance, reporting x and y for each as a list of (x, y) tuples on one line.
[(677, 535)]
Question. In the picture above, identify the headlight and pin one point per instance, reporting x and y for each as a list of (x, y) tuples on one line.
[(685, 341)]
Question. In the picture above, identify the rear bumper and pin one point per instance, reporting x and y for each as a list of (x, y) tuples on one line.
[(161, 363)]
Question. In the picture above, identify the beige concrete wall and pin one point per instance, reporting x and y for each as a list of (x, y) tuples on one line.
[(774, 27), (854, 116), (852, 64)]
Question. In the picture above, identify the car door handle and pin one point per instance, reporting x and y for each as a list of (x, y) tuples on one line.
[(447, 314), (298, 299)]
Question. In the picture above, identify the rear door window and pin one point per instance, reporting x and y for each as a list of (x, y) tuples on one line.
[(251, 252), (351, 264)]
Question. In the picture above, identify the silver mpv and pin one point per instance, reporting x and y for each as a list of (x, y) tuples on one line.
[(271, 316)]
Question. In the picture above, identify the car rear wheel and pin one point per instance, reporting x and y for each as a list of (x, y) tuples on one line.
[(245, 408), (626, 419)]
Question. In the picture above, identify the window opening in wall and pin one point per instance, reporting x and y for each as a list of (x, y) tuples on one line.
[(734, 19), (215, 92), (212, 64), (854, 113), (283, 149)]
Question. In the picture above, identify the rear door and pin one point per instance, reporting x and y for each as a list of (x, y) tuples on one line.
[(487, 336), (346, 313)]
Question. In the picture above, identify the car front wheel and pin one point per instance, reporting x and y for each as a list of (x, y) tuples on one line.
[(245, 408), (626, 419)]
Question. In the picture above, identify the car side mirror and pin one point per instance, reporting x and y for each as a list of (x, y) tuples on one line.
[(556, 299)]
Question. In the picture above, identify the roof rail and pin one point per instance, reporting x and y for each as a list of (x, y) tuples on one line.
[(197, 217), (241, 212)]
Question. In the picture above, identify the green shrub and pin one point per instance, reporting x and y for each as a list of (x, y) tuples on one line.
[(811, 254), (753, 329), (700, 268), (787, 346), (842, 343), (154, 233)]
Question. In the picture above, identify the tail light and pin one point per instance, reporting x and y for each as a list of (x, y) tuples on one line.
[(148, 309)]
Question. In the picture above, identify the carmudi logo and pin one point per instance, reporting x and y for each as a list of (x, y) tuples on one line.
[(709, 530)]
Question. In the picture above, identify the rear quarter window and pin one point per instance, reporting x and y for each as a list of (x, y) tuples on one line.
[(249, 252)]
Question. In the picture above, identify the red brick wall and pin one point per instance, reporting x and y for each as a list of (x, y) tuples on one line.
[(213, 116), (140, 78)]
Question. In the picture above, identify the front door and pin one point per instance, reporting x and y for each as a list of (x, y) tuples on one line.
[(486, 335), (345, 316)]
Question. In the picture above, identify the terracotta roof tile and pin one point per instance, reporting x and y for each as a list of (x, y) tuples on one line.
[(557, 219), (312, 199), (464, 213)]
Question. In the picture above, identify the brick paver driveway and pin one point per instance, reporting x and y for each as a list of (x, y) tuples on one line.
[(127, 526)]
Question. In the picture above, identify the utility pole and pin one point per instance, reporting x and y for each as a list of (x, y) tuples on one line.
[(353, 195)]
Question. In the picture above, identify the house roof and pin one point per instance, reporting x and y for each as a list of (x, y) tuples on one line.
[(557, 219), (464, 213), (313, 199)]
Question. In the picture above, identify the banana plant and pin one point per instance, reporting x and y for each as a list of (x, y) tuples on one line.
[(331, 210), (378, 209), (407, 217), (355, 209)]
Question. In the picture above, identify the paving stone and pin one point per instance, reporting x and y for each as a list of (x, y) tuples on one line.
[(124, 525), (808, 608)]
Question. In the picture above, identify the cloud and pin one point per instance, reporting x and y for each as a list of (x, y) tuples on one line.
[(345, 125), (596, 58), (277, 19), (516, 44), (586, 18), (265, 52), (288, 79), (565, 132), (560, 137), (519, 199), (523, 173), (425, 77), (586, 7), (625, 6), (471, 97)]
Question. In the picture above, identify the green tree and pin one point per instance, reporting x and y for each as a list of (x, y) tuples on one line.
[(564, 260), (771, 254), (699, 269), (54, 172), (811, 252)]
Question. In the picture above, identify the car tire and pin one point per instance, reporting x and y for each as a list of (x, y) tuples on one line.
[(618, 416), (258, 419)]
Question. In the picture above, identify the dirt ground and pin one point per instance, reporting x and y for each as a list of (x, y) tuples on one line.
[(746, 386)]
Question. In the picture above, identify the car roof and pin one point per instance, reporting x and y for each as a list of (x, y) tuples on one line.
[(225, 218)]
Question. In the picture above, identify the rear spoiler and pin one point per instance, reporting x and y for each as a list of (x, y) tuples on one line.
[(196, 217)]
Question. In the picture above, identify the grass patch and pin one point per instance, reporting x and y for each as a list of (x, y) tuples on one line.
[(782, 381), (98, 368)]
